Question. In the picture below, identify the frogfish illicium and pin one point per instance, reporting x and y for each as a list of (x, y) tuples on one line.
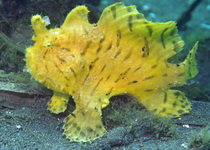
[(122, 53)]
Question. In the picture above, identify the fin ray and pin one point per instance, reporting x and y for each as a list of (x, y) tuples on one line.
[(78, 16)]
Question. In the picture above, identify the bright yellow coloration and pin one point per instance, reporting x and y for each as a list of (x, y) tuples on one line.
[(122, 53)]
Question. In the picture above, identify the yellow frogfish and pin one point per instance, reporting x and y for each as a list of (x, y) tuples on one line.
[(122, 53)]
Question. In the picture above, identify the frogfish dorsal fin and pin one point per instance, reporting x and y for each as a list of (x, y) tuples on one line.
[(78, 16), (132, 26)]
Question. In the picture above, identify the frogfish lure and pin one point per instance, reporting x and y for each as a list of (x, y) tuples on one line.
[(122, 53)]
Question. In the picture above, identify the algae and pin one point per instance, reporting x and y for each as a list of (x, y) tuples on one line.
[(9, 43), (127, 112), (11, 55), (200, 139)]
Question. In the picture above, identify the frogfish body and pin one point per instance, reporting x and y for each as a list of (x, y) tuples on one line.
[(122, 53)]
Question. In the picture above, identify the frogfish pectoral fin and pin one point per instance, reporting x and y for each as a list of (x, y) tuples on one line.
[(84, 125), (58, 102)]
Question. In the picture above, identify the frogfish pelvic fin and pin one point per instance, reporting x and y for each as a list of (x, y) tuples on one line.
[(121, 53)]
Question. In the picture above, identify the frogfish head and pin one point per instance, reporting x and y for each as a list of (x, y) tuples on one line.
[(52, 53)]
